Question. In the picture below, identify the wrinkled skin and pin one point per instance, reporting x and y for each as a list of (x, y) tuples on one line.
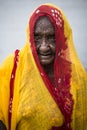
[(45, 40), (45, 43)]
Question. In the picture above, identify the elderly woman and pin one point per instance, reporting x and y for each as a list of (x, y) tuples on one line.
[(44, 86)]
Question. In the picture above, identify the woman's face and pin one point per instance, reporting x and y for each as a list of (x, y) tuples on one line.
[(45, 40)]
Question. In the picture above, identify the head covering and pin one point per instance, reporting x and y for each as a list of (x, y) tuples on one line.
[(65, 59), (62, 63), (36, 103)]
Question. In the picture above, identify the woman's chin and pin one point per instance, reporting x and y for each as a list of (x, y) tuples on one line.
[(46, 62)]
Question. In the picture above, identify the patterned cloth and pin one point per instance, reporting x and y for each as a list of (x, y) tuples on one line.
[(28, 99)]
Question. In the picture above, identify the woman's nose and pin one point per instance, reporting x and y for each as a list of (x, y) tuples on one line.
[(44, 45), (44, 41)]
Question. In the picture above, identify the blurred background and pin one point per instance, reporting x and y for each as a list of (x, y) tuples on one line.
[(14, 16)]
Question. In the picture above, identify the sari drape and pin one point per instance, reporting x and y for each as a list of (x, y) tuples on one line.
[(36, 104)]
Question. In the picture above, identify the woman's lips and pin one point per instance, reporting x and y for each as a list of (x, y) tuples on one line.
[(45, 56)]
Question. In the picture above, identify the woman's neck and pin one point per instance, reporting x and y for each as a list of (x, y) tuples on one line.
[(49, 69)]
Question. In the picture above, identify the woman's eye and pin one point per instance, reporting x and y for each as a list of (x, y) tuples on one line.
[(51, 37), (37, 38)]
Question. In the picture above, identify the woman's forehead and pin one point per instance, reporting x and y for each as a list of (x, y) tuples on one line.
[(44, 21)]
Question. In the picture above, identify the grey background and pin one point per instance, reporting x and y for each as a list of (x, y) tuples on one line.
[(14, 15)]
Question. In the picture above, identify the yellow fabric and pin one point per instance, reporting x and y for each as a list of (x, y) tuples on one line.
[(5, 74), (78, 84), (33, 106)]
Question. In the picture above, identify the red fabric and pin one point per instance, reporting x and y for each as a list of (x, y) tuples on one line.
[(12, 87), (62, 67)]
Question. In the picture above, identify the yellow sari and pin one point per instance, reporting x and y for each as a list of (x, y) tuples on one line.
[(32, 106)]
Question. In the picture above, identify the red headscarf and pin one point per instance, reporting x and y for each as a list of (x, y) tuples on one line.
[(62, 67)]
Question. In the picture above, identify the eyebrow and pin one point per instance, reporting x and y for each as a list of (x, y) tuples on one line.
[(41, 33)]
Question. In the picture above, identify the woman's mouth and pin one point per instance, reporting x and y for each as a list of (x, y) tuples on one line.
[(45, 55)]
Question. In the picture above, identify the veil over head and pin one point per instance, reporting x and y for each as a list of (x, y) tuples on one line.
[(34, 102)]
